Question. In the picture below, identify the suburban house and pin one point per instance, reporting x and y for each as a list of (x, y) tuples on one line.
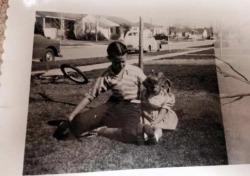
[(92, 24), (124, 26), (57, 25), (155, 29), (188, 33), (82, 26), (202, 33), (180, 32)]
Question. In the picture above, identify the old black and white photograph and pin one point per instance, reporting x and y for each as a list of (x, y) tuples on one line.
[(132, 85)]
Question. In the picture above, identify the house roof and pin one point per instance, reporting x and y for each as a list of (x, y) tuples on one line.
[(146, 25), (121, 21), (67, 16), (104, 22), (199, 30), (209, 30), (107, 23), (180, 29)]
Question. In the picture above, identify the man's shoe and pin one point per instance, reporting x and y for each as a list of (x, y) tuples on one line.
[(55, 122), (151, 138), (62, 131), (151, 141)]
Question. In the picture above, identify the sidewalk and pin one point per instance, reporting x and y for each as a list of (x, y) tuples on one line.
[(83, 43), (235, 110), (53, 72)]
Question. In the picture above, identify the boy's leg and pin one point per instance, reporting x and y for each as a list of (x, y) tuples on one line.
[(89, 120), (119, 135), (122, 120), (83, 122), (131, 122), (111, 133)]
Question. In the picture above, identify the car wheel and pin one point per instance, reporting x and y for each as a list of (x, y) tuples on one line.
[(149, 48), (49, 55), (159, 47)]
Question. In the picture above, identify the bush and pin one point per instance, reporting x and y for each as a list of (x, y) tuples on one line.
[(92, 36), (114, 36)]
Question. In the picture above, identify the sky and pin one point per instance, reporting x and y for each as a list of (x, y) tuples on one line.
[(193, 13)]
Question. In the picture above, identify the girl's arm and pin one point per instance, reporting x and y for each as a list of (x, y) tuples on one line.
[(160, 116), (146, 115)]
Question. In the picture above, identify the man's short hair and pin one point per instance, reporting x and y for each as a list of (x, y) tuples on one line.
[(116, 49)]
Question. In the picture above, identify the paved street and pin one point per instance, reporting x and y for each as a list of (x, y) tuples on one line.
[(79, 52)]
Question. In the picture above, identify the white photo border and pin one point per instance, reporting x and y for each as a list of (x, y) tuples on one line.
[(14, 95)]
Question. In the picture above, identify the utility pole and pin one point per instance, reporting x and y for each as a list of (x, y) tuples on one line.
[(96, 28), (168, 39), (62, 27), (44, 25), (141, 44), (221, 41), (141, 57)]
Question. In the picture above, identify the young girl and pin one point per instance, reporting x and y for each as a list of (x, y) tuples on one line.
[(157, 103)]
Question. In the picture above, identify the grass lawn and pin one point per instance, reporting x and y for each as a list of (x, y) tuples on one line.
[(90, 61), (198, 141)]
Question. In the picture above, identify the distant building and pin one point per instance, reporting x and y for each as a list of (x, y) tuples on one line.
[(188, 33), (91, 24), (124, 26), (155, 29), (82, 26), (202, 33), (57, 25), (180, 32)]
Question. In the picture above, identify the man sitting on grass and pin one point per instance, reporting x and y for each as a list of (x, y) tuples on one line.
[(119, 117)]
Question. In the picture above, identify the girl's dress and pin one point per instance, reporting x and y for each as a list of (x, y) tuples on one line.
[(154, 103)]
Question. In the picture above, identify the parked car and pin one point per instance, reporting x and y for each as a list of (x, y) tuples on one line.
[(45, 49), (131, 40), (162, 38)]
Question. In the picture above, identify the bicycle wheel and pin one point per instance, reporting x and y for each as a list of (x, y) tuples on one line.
[(74, 74)]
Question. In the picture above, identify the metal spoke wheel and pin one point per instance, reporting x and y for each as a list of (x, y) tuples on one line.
[(74, 74)]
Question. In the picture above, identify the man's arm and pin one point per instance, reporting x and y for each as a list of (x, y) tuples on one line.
[(85, 101), (99, 86)]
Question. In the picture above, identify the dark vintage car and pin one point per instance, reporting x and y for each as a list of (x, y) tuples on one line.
[(45, 49), (162, 38)]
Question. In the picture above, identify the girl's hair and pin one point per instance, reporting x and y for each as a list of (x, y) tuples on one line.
[(116, 49), (159, 79)]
